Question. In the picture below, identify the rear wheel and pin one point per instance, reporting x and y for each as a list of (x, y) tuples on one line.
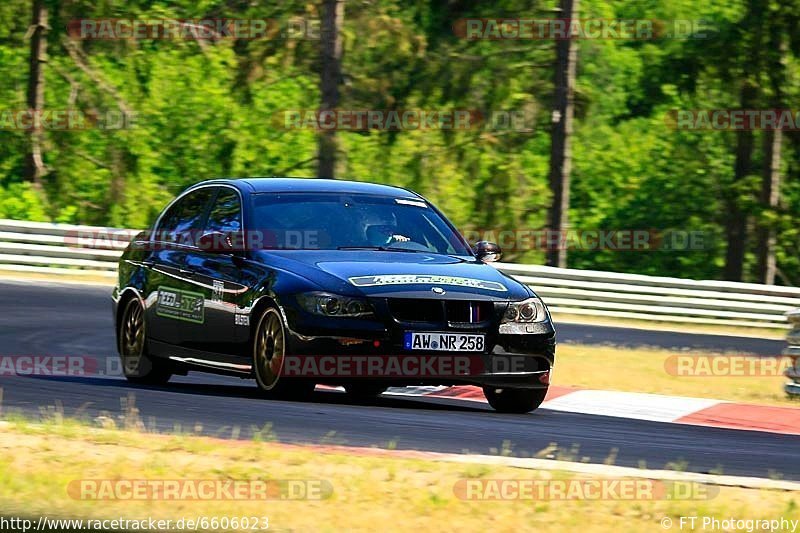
[(364, 391), (269, 351), (137, 365), (514, 400)]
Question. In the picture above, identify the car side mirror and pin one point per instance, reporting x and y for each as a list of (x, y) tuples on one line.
[(488, 252), (216, 242)]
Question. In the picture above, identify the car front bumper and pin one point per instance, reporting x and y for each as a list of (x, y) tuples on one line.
[(336, 351)]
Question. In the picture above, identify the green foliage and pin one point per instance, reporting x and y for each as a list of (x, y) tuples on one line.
[(213, 109), (21, 202)]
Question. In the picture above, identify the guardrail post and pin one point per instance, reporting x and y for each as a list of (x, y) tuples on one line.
[(792, 388)]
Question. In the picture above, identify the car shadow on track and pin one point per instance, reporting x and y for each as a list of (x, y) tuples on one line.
[(249, 391)]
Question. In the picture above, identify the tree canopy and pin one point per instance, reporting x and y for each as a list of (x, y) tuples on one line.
[(198, 109)]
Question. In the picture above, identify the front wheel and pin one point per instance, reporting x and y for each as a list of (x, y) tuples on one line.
[(269, 351), (137, 365), (514, 400)]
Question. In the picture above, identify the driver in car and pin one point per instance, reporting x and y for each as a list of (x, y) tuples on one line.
[(381, 230)]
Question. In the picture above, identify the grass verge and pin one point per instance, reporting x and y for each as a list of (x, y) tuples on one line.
[(653, 371), (87, 279), (381, 492)]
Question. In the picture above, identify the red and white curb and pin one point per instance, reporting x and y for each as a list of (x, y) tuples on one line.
[(640, 406)]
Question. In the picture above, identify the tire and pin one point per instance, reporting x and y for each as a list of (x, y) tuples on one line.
[(364, 391), (137, 365), (514, 400), (269, 351)]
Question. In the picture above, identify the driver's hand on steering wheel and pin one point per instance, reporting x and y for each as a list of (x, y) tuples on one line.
[(398, 238)]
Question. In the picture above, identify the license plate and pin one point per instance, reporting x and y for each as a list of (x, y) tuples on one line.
[(444, 342)]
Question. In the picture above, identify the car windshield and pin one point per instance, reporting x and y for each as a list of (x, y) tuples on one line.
[(334, 221)]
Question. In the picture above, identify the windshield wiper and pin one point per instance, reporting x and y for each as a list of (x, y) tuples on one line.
[(377, 248), (393, 249)]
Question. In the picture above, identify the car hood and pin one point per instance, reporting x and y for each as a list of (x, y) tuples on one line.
[(398, 274)]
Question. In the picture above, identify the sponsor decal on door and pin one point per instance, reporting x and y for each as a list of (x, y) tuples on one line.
[(180, 305)]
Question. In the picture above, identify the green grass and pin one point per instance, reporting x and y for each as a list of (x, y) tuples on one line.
[(371, 489)]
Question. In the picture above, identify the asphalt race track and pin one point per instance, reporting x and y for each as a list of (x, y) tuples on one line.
[(52, 319)]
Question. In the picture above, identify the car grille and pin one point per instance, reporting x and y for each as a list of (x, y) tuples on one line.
[(454, 312), (468, 312), (408, 310)]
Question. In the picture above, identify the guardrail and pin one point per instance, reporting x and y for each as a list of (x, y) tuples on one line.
[(60, 248), (664, 299), (87, 250)]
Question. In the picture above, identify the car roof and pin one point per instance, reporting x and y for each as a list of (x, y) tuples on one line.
[(311, 185)]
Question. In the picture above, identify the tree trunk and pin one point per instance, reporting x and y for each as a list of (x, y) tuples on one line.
[(770, 189), (736, 219), (561, 138), (34, 165), (773, 139), (330, 76)]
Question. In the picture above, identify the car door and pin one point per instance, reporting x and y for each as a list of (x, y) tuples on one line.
[(221, 277), (175, 311)]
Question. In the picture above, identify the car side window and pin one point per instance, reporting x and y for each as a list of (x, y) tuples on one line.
[(226, 215), (184, 220)]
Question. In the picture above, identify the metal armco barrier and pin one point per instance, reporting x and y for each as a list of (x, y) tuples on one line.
[(87, 250), (793, 350)]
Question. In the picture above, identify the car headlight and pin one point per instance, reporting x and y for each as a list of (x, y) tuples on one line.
[(328, 304), (525, 312)]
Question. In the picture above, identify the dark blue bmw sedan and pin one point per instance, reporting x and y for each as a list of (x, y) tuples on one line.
[(299, 282)]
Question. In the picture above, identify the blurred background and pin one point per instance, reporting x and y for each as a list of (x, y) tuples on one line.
[(162, 112)]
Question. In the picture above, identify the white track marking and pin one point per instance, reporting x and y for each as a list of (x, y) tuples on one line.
[(639, 406)]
